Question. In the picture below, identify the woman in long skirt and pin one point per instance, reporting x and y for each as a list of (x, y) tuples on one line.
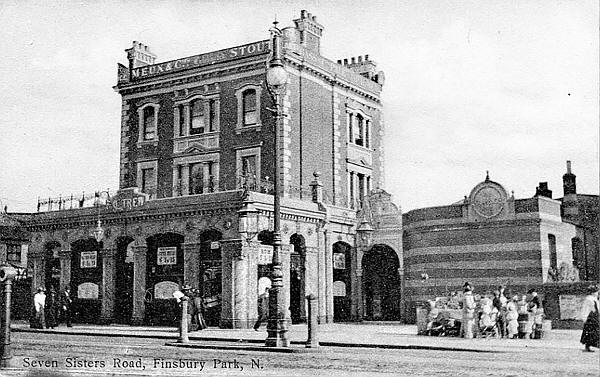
[(590, 337)]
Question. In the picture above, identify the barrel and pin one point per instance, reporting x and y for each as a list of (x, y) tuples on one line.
[(543, 330), (524, 329)]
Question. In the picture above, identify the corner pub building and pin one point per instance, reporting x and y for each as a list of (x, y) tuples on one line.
[(195, 204)]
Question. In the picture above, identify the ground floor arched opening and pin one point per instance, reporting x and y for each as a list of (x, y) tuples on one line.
[(164, 275), (86, 280), (342, 292), (123, 280), (381, 284), (211, 275)]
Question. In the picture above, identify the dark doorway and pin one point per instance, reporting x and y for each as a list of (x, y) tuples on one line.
[(123, 307), (297, 266), (342, 294), (86, 280), (164, 275), (381, 283), (211, 275)]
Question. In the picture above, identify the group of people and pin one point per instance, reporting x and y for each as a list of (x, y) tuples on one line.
[(51, 309), (502, 316), (195, 307)]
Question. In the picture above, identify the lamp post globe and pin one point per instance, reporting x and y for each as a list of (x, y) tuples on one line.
[(277, 77)]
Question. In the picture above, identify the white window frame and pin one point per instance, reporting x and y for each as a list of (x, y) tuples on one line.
[(141, 125), (240, 107), (186, 123), (351, 119), (186, 162), (147, 165)]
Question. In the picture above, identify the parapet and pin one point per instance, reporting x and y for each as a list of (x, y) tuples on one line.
[(363, 66)]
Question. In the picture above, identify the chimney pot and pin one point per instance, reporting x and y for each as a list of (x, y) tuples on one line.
[(339, 61), (366, 58), (345, 61), (568, 166), (315, 18), (309, 16), (303, 13), (359, 59), (353, 60)]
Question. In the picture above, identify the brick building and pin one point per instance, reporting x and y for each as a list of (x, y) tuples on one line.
[(195, 203), (490, 239)]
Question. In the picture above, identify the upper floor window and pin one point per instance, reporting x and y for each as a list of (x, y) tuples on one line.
[(202, 177), (196, 115), (248, 99), (248, 167), (149, 123), (147, 178), (212, 115), (197, 118), (181, 119), (249, 107), (359, 129)]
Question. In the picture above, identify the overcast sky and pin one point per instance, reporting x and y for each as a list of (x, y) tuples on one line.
[(505, 86)]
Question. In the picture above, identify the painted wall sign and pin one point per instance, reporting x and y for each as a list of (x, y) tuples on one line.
[(89, 259), (215, 245), (265, 254), (87, 291), (166, 255), (339, 261), (165, 289), (251, 49), (570, 306)]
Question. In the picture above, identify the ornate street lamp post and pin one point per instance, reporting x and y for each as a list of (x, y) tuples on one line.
[(277, 78)]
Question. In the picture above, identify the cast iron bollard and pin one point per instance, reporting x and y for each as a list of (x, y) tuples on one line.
[(183, 325), (7, 274), (313, 339)]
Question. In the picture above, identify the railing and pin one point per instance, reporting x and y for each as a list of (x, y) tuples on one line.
[(61, 203)]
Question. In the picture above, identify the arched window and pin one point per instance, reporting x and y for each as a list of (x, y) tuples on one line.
[(149, 123), (197, 117), (360, 130), (249, 107)]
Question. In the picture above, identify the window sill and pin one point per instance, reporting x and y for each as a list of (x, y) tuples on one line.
[(359, 147), (196, 136), (256, 127), (142, 143)]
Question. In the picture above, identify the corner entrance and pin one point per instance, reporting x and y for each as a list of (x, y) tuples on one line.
[(381, 282)]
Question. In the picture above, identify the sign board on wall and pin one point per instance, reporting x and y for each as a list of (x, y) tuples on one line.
[(265, 254), (215, 245), (89, 259), (339, 288), (339, 261), (570, 306), (87, 291), (166, 255), (165, 289)]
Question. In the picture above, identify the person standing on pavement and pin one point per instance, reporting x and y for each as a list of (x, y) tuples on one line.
[(590, 337), (512, 317), (65, 304), (497, 303), (263, 308), (468, 312), (199, 310), (39, 302), (535, 311), (50, 309)]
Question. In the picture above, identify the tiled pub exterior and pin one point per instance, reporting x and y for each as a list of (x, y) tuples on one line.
[(195, 203)]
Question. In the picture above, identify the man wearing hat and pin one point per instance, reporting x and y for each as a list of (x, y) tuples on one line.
[(39, 303)]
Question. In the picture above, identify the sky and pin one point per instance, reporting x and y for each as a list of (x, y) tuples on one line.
[(509, 87)]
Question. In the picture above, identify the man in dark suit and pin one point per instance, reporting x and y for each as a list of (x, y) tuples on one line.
[(65, 304)]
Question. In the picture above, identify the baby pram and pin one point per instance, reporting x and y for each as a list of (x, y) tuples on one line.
[(488, 323), (443, 325)]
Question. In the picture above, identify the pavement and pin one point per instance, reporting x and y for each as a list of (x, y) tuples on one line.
[(391, 335)]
